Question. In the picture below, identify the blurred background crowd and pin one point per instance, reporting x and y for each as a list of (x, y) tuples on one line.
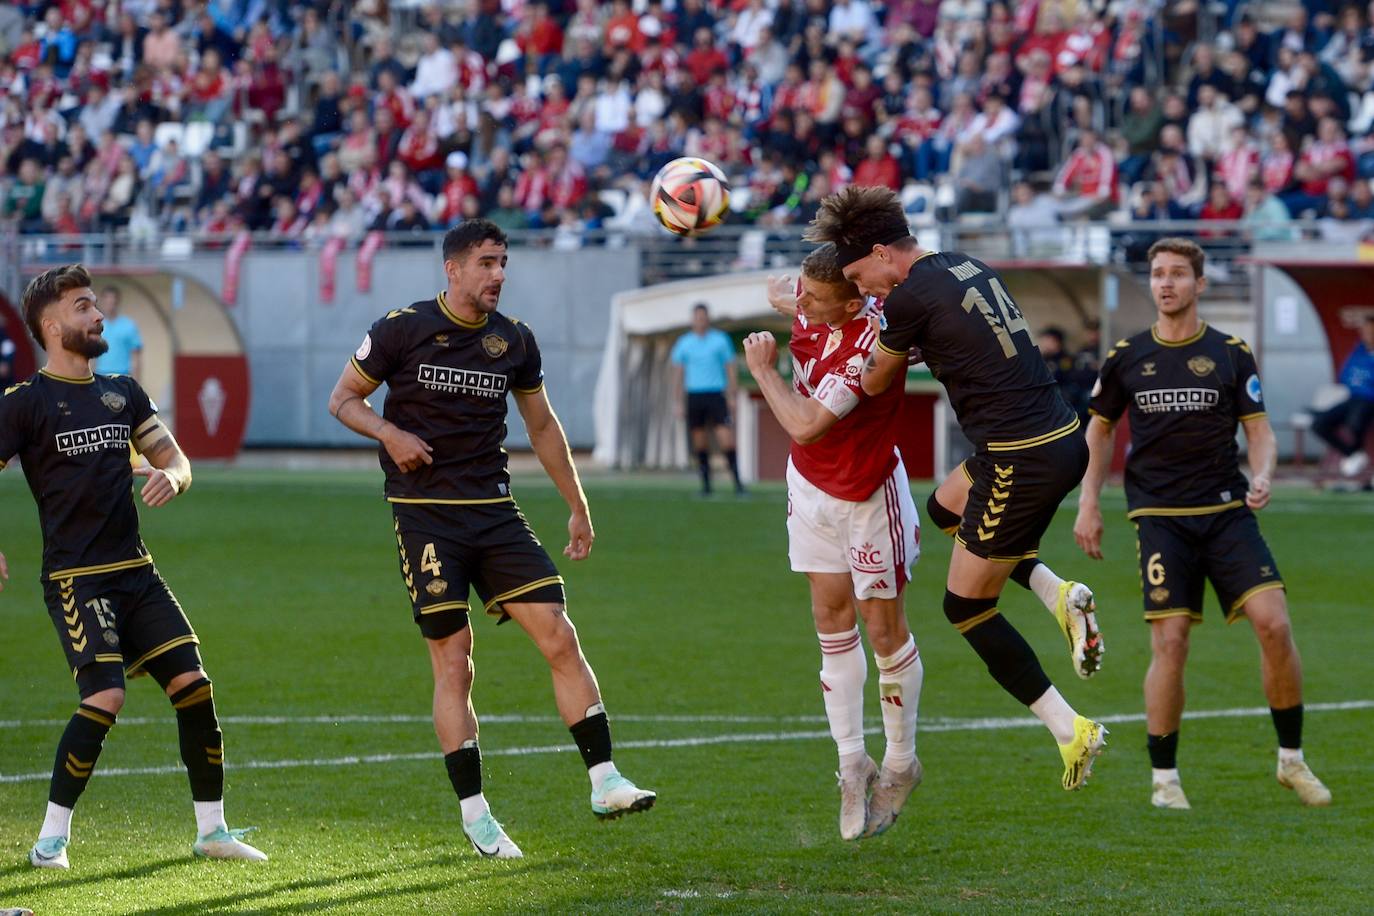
[(330, 119)]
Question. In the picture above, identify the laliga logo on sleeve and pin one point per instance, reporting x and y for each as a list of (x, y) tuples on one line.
[(1252, 388), (365, 347)]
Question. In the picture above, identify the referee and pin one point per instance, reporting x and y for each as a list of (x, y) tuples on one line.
[(704, 367)]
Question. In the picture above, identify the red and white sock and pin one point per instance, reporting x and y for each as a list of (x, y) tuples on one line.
[(844, 669), (899, 693)]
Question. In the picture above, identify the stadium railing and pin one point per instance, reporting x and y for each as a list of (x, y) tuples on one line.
[(665, 257)]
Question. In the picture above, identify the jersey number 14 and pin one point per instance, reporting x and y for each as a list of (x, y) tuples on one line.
[(1002, 315)]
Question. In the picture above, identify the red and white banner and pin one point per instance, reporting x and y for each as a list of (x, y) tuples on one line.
[(233, 262), (366, 254), (329, 267)]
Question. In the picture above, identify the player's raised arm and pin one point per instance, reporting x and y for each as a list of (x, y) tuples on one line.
[(348, 404), (805, 419), (882, 368), (551, 446), (782, 295), (170, 473)]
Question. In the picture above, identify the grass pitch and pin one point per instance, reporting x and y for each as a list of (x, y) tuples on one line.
[(703, 644)]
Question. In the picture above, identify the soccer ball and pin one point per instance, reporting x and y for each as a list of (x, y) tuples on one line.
[(689, 196)]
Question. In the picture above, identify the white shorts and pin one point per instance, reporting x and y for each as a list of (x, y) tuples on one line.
[(876, 541)]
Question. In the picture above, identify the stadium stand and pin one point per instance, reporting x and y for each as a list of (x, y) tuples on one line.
[(307, 121)]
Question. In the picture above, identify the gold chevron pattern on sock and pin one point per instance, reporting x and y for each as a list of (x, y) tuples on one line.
[(78, 768)]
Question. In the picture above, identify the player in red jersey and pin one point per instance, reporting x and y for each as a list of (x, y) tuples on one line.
[(852, 528)]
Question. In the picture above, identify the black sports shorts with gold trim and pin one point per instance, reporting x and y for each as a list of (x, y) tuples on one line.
[(1180, 553), (1015, 493), (446, 549), (120, 624)]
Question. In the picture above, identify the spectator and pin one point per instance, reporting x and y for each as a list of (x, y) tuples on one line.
[(1140, 132), (1266, 216), (436, 72), (1344, 426), (878, 168), (1086, 184), (8, 353), (979, 178), (24, 202), (1209, 129), (1032, 218)]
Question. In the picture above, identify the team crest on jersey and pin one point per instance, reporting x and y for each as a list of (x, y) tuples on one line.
[(113, 401), (1201, 366), (1159, 595), (436, 587), (111, 639), (495, 345), (832, 343)]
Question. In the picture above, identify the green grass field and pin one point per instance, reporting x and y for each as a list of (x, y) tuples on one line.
[(703, 644)]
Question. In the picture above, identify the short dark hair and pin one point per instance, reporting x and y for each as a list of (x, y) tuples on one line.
[(1185, 247), (469, 234), (823, 266), (701, 307), (1055, 332), (857, 218), (47, 288)]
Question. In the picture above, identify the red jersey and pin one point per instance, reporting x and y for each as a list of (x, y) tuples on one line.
[(860, 451)]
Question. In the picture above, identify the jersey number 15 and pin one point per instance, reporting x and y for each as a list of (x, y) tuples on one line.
[(1002, 315)]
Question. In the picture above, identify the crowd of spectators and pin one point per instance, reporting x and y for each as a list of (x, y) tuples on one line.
[(330, 119)]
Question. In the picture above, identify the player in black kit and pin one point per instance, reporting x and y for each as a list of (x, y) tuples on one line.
[(449, 363), (1186, 387), (114, 614), (1029, 454)]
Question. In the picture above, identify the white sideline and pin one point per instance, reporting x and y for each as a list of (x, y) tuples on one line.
[(930, 725)]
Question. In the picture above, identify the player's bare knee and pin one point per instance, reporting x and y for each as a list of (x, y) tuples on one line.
[(1170, 644), (1273, 630), (559, 642), (885, 623), (110, 700), (454, 671), (184, 679)]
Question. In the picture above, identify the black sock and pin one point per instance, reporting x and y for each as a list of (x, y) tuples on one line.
[(1009, 658), (202, 743), (465, 770), (704, 467), (731, 460), (1021, 572), (593, 737), (77, 753), (1163, 751), (1288, 723)]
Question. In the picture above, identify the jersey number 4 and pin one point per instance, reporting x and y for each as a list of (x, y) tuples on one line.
[(1002, 315)]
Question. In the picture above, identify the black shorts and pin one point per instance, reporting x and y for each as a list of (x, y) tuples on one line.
[(1015, 494), (1180, 553), (448, 549), (707, 408), (120, 624)]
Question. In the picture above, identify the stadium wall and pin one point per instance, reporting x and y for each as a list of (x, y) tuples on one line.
[(298, 344)]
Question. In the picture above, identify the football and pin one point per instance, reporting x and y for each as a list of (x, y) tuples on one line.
[(689, 196)]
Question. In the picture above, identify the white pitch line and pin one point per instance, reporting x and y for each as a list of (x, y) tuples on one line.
[(495, 719), (931, 725)]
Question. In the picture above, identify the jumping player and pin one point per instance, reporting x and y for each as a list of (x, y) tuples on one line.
[(1028, 456)]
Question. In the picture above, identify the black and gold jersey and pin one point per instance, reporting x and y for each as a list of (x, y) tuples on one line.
[(1184, 400), (447, 381), (72, 436), (958, 311)]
